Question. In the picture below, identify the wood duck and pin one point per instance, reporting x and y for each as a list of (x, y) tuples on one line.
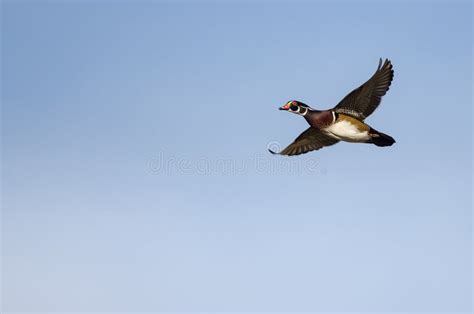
[(345, 122)]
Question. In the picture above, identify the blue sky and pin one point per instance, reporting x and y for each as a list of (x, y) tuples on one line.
[(135, 175)]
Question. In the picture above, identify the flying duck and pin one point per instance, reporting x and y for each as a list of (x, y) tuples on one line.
[(345, 122)]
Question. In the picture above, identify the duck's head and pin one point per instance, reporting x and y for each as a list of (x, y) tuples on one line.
[(295, 106)]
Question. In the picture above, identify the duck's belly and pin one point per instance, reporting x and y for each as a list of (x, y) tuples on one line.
[(349, 131)]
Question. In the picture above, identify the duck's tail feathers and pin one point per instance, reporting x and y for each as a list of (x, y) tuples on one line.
[(380, 139)]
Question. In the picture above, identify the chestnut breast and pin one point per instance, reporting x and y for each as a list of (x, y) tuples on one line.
[(319, 119)]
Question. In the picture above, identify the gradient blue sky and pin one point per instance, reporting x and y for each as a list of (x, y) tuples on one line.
[(115, 115)]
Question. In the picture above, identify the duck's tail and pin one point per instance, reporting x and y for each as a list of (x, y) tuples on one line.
[(380, 139)]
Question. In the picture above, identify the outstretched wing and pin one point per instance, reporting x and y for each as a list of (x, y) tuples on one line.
[(311, 139), (362, 101)]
